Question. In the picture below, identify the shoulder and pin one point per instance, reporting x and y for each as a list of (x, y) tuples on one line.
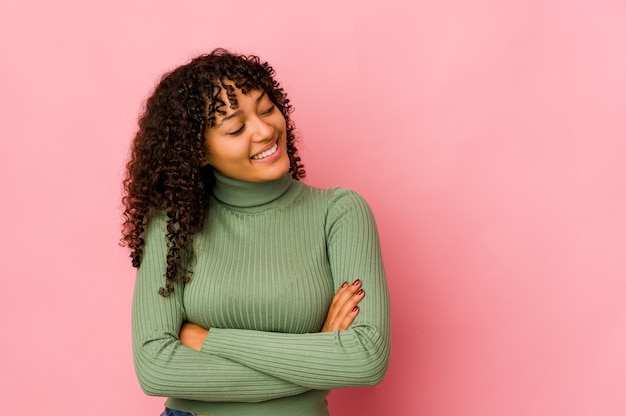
[(344, 198), (157, 223), (156, 230), (336, 198), (349, 217), (341, 205)]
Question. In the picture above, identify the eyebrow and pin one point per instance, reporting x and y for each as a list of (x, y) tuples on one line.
[(238, 112)]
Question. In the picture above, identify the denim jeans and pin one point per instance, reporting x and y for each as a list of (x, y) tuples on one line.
[(172, 412)]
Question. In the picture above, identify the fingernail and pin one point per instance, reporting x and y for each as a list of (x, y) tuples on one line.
[(360, 292), (356, 282), (345, 284), (356, 308)]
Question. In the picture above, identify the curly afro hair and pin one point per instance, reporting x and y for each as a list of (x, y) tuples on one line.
[(165, 173)]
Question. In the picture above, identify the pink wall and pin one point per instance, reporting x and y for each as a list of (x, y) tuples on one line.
[(488, 138)]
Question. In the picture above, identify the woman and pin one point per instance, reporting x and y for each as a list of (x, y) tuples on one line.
[(248, 280)]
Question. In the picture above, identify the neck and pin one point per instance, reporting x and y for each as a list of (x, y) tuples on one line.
[(242, 194)]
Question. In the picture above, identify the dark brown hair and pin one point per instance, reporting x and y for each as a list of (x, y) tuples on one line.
[(165, 172)]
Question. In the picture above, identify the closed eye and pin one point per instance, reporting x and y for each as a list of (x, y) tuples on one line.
[(268, 111), (237, 132)]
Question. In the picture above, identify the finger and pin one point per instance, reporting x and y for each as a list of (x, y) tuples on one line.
[(347, 308), (338, 299), (342, 299), (346, 290), (347, 312), (349, 318)]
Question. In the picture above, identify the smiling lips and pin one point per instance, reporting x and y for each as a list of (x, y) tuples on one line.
[(266, 153)]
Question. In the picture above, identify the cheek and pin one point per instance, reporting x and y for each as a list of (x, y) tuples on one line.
[(214, 152), (279, 121), (227, 151)]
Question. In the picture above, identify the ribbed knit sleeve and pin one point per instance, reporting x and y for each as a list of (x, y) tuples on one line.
[(167, 368), (353, 357)]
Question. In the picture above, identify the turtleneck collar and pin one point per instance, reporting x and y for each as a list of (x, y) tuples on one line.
[(240, 194)]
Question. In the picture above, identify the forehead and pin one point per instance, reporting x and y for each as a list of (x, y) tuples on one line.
[(231, 110), (229, 98), (242, 85)]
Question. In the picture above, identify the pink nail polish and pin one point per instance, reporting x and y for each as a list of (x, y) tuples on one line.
[(345, 284), (360, 292), (356, 282)]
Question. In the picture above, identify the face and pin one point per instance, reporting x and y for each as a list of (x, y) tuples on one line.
[(249, 142)]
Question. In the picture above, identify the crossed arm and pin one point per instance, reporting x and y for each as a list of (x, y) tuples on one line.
[(341, 313), (178, 359)]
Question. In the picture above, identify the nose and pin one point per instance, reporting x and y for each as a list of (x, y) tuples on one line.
[(263, 131)]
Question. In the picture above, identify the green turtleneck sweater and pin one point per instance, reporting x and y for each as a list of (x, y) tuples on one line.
[(268, 261)]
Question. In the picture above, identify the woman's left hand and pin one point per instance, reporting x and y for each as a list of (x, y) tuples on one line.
[(192, 335), (343, 308)]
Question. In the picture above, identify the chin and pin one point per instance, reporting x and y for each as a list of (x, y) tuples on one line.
[(275, 173)]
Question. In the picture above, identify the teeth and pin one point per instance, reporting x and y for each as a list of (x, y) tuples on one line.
[(267, 153)]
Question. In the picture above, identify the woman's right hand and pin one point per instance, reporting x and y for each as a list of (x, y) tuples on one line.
[(343, 308)]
